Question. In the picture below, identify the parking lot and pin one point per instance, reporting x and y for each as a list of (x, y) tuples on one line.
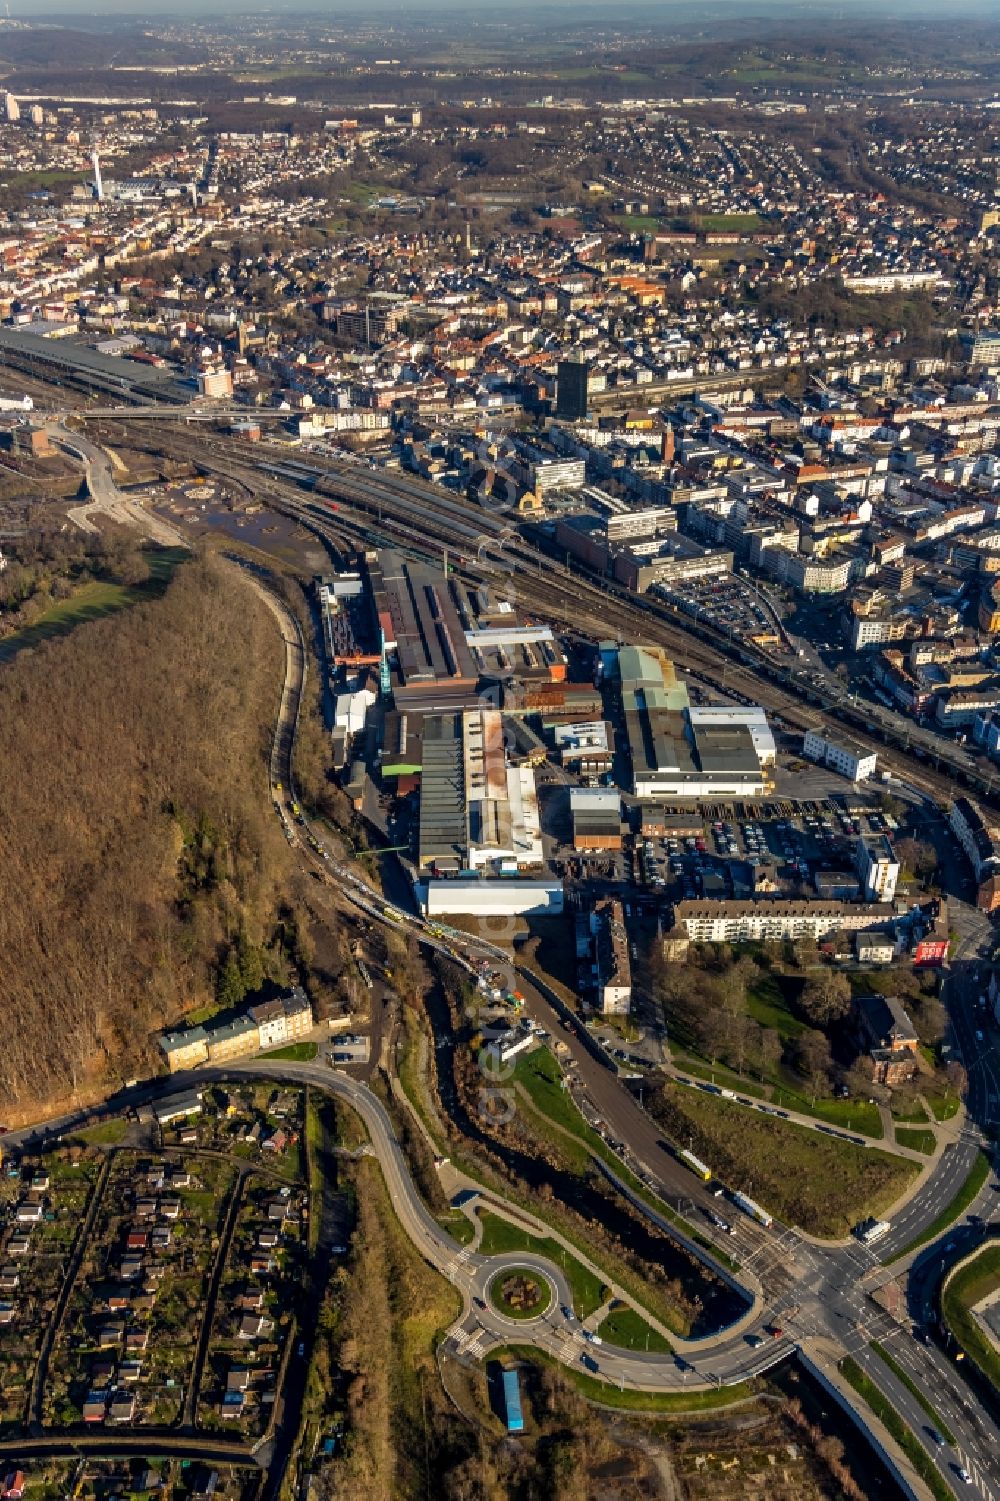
[(730, 605), (738, 856)]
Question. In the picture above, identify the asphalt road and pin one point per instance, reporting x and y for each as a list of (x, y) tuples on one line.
[(811, 1291), (105, 496), (808, 1290)]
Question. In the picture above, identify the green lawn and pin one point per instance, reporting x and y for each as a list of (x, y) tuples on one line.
[(767, 1005), (916, 1140), (608, 1395), (202, 1014), (904, 1435), (639, 223), (851, 1115), (105, 1134), (623, 1326), (821, 1183), (945, 1104), (295, 1052), (915, 1391), (910, 1112), (92, 601), (951, 1212), (963, 1292), (501, 1237), (718, 1074), (540, 1076), (745, 223), (43, 180), (458, 1226)]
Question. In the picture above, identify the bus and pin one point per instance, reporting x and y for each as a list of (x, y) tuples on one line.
[(512, 1402), (869, 1231), (696, 1165), (753, 1210)]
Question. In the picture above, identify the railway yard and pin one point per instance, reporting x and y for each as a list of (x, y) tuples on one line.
[(349, 505)]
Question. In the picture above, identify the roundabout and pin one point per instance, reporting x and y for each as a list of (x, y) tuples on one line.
[(521, 1293)]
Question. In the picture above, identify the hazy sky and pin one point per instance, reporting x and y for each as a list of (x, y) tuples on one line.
[(78, 10)]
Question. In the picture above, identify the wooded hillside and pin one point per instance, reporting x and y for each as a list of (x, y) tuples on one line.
[(138, 846)]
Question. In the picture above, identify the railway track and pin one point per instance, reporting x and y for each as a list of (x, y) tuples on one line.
[(352, 505)]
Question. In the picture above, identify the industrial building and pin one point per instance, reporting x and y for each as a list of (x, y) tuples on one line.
[(81, 366), (489, 898), (475, 810), (597, 818), (587, 748), (526, 652), (420, 627), (719, 751)]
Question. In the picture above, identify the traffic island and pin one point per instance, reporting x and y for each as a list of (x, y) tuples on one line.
[(521, 1293)]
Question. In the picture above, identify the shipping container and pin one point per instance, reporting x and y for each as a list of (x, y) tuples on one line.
[(512, 1402)]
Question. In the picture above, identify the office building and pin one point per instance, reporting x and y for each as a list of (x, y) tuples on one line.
[(878, 868), (572, 377), (849, 760)]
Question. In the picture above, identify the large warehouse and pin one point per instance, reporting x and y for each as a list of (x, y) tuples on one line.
[(490, 898), (721, 751), (475, 811)]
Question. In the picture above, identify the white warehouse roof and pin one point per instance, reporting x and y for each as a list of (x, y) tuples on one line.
[(489, 898), (754, 718), (594, 800)]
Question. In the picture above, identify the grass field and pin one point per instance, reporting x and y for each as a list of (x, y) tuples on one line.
[(92, 601), (623, 1326), (295, 1052), (965, 1289), (106, 1134), (608, 1395), (639, 223), (745, 223), (957, 1206), (910, 1113), (945, 1105), (43, 181), (501, 1237), (916, 1140), (852, 1115), (820, 1183), (539, 1075), (767, 1005), (458, 1226), (904, 1436)]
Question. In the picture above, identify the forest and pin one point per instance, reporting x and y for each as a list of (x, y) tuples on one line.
[(139, 849)]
